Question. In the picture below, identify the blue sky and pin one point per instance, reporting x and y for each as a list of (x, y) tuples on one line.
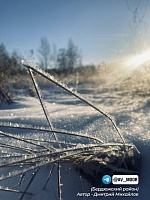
[(99, 28)]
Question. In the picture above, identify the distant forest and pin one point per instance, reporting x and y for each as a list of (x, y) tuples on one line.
[(65, 63)]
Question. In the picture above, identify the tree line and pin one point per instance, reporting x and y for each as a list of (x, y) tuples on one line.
[(65, 59), (9, 64), (61, 61)]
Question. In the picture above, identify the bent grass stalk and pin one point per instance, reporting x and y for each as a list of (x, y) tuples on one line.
[(27, 154)]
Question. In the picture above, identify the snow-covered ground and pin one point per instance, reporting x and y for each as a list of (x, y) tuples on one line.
[(67, 113)]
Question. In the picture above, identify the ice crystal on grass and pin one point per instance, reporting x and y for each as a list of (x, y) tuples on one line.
[(24, 155)]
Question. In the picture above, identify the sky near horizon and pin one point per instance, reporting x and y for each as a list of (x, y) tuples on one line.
[(100, 28)]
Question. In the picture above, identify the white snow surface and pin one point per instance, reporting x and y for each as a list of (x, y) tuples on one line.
[(67, 113)]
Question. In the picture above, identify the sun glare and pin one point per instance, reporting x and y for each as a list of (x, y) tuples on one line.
[(127, 65), (138, 60)]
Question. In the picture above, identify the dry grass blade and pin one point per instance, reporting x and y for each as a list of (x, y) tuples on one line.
[(14, 191), (78, 96), (23, 156)]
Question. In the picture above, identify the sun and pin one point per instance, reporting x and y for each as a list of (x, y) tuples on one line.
[(136, 61)]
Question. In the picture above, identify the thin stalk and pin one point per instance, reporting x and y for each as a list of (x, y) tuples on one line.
[(14, 191), (18, 148), (21, 139), (27, 127), (64, 87), (59, 183), (40, 98)]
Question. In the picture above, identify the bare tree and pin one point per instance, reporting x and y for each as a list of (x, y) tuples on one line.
[(4, 58), (15, 62), (45, 53), (73, 56), (4, 63), (70, 58), (62, 59), (54, 56)]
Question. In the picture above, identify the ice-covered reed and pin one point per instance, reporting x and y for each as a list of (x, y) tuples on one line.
[(24, 155)]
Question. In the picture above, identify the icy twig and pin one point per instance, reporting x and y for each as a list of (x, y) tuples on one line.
[(41, 129), (14, 191), (59, 182), (18, 148), (66, 88), (40, 99), (21, 139)]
